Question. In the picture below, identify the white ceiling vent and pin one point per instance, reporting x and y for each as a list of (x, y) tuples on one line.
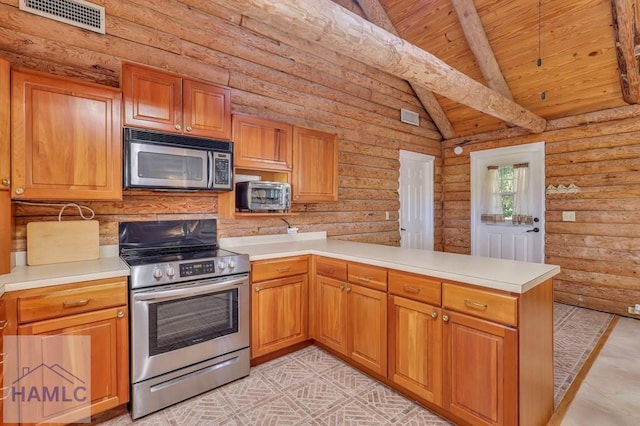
[(409, 117), (74, 12)]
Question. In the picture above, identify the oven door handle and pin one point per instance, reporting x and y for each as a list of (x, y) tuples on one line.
[(191, 290)]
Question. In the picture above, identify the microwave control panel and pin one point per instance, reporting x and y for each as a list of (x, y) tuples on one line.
[(221, 170)]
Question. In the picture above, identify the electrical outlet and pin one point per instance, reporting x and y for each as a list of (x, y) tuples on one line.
[(386, 215), (633, 310), (568, 216)]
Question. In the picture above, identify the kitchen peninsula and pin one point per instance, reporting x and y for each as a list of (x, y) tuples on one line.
[(469, 337)]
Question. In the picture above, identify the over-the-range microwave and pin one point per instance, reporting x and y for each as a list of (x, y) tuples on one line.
[(156, 160)]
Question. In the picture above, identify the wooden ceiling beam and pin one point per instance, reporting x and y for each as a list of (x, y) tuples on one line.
[(480, 47), (376, 14), (625, 26), (325, 22)]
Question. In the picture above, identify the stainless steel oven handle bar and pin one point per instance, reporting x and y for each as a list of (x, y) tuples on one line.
[(201, 287)]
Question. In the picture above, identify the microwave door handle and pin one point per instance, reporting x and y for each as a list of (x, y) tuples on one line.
[(211, 169), (192, 290)]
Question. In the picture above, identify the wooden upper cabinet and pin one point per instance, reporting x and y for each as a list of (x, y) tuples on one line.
[(315, 166), (5, 168), (262, 144), (5, 125), (66, 139), (166, 102)]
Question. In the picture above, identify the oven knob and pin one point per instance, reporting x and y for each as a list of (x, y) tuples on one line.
[(232, 264), (222, 266), (157, 273), (170, 271)]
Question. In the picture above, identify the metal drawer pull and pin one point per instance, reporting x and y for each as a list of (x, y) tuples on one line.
[(445, 318), (341, 287), (82, 302), (3, 324), (258, 289), (434, 315), (120, 314), (411, 289), (283, 269), (475, 305), (348, 289), (2, 390), (363, 278)]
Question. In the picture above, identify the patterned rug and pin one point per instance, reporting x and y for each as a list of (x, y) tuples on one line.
[(576, 333), (311, 387)]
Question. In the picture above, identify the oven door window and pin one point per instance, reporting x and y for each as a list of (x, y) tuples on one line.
[(176, 324)]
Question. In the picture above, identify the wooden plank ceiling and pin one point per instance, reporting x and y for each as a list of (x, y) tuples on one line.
[(587, 52)]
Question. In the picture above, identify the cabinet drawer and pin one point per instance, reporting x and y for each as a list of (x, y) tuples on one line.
[(278, 268), (415, 287), (368, 276), (485, 304), (71, 301), (332, 268)]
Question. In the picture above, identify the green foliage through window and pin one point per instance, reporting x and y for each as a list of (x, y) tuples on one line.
[(505, 175)]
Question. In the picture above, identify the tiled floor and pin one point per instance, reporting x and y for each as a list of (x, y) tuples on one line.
[(311, 387), (610, 394)]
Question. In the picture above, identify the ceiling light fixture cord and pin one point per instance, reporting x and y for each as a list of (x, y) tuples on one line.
[(543, 94)]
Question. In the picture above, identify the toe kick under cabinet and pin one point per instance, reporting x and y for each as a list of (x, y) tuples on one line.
[(94, 309)]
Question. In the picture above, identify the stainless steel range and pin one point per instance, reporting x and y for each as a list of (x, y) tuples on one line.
[(189, 304)]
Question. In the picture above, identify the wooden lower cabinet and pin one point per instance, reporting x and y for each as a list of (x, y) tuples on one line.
[(96, 310), (415, 347), (480, 370), (367, 327), (109, 373), (352, 320), (278, 314)]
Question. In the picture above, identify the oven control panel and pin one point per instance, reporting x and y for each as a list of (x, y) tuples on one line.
[(197, 268)]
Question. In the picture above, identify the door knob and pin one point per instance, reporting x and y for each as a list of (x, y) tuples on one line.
[(403, 229), (534, 230)]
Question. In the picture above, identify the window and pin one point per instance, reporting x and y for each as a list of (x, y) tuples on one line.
[(506, 190), (507, 195)]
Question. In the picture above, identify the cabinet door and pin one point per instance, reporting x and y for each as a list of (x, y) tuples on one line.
[(66, 140), (415, 347), (5, 125), (152, 99), (480, 370), (5, 169), (207, 110), (109, 369), (315, 166), (367, 330), (278, 314), (262, 143), (331, 313)]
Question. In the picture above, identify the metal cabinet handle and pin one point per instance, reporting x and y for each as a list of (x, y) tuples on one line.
[(82, 302), (120, 314), (283, 269), (445, 318), (258, 289), (475, 305), (3, 324), (177, 126), (411, 289), (6, 182), (364, 278), (341, 287), (189, 128), (348, 289), (434, 315), (19, 190)]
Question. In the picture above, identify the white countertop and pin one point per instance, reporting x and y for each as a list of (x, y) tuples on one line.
[(499, 274), (25, 277)]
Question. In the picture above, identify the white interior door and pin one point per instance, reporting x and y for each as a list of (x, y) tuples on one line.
[(416, 200), (505, 240)]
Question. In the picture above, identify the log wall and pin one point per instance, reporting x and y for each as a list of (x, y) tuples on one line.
[(292, 82), (599, 253)]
